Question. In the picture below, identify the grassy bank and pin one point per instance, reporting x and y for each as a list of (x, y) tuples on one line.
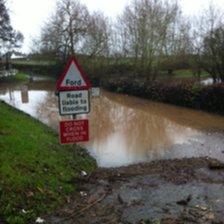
[(35, 171)]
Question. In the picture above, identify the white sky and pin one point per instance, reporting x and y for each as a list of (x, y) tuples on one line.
[(28, 16)]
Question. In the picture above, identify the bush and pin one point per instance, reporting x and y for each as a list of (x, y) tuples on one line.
[(53, 70), (209, 98)]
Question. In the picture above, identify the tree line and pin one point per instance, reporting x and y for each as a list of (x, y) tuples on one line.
[(10, 39), (149, 35)]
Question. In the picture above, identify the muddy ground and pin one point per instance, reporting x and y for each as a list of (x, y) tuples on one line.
[(172, 191)]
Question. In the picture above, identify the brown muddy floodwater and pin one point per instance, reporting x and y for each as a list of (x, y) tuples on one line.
[(126, 130)]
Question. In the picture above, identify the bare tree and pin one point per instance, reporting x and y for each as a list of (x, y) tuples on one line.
[(146, 24), (72, 29), (207, 40), (65, 31), (10, 39), (213, 54), (96, 41)]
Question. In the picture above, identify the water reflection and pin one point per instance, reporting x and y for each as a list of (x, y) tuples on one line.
[(37, 99), (125, 135), (123, 130), (48, 111), (16, 99), (24, 94)]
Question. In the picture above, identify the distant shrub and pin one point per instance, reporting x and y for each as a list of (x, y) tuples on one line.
[(40, 69), (209, 98)]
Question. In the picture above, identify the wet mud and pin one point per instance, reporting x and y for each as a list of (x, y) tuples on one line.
[(171, 191)]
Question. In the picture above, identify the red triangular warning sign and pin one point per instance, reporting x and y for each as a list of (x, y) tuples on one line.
[(73, 78)]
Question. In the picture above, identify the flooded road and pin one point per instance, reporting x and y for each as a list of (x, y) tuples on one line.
[(126, 130)]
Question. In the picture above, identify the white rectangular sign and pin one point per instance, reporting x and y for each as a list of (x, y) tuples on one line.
[(74, 102), (95, 91)]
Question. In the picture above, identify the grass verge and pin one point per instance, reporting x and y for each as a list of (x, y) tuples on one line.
[(187, 73), (19, 77), (35, 171)]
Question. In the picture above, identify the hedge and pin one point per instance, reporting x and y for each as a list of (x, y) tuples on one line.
[(208, 98)]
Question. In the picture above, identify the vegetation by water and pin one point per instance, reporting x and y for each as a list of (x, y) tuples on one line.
[(153, 39), (147, 42), (20, 76), (188, 94), (182, 87), (99, 70), (33, 62), (146, 39), (188, 73), (37, 67), (35, 171)]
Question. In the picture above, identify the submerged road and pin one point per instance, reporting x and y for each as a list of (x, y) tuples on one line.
[(126, 130)]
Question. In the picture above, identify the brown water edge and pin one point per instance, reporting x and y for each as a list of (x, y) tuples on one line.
[(132, 130), (183, 116), (126, 130)]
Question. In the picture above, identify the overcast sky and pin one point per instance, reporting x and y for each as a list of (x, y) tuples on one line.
[(28, 16)]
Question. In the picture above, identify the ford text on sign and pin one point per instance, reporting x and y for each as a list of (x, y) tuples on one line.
[(73, 78), (74, 131), (74, 102)]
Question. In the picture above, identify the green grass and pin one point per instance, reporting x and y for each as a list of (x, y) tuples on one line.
[(34, 169), (186, 73), (19, 77), (33, 62)]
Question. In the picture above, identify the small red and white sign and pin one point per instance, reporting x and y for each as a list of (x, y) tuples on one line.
[(73, 78), (74, 131)]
